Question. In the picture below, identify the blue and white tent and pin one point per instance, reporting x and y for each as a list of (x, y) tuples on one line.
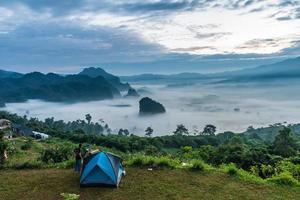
[(102, 169)]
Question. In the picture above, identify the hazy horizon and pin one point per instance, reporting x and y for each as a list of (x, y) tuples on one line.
[(229, 107)]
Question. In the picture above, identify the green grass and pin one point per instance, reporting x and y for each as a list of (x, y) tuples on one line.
[(48, 184)]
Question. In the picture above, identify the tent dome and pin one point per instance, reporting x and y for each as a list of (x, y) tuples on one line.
[(102, 169)]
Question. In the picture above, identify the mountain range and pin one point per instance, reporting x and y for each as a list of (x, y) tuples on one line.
[(98, 85), (289, 68)]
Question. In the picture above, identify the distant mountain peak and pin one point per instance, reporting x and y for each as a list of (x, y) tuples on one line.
[(114, 80)]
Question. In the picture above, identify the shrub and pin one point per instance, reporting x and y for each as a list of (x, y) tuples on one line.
[(254, 170), (231, 169), (286, 166), (166, 162), (136, 161), (186, 149), (27, 145), (295, 160), (197, 165), (266, 171), (151, 150), (284, 178), (57, 154)]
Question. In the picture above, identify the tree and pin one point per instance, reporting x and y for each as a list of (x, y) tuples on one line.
[(120, 132), (149, 131), (250, 129), (181, 130), (209, 130), (126, 132), (88, 118), (284, 144)]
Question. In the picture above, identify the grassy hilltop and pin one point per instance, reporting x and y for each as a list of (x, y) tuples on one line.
[(138, 184), (26, 177)]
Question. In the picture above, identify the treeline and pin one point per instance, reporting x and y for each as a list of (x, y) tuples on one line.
[(56, 127), (247, 151)]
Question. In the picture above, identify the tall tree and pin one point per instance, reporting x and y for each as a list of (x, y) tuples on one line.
[(120, 132), (126, 132), (284, 143), (88, 118), (149, 131), (209, 130), (181, 130)]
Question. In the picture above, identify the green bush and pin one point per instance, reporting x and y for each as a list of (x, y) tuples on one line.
[(287, 166), (231, 169), (197, 165), (57, 154), (284, 178), (151, 150), (27, 145), (241, 174), (166, 162), (266, 171), (136, 161)]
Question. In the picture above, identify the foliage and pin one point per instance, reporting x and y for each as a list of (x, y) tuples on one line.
[(209, 130), (287, 166), (27, 145), (181, 130), (57, 154), (284, 178), (149, 131), (197, 165), (231, 169), (266, 171), (284, 144)]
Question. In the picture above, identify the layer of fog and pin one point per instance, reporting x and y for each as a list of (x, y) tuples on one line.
[(229, 107)]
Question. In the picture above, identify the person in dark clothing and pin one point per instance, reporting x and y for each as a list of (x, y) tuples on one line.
[(78, 158)]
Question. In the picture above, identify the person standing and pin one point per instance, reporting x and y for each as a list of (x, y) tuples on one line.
[(78, 158)]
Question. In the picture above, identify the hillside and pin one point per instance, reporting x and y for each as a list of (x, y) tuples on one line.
[(138, 184), (53, 87), (287, 68), (9, 74), (269, 133), (114, 80)]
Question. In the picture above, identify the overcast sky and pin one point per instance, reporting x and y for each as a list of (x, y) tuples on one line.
[(131, 36)]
